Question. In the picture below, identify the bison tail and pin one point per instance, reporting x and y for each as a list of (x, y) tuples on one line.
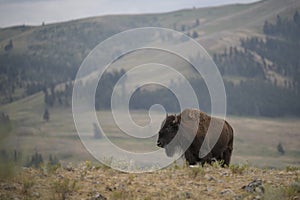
[(228, 151)]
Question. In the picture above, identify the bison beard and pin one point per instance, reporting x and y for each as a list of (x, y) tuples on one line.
[(187, 132), (170, 150)]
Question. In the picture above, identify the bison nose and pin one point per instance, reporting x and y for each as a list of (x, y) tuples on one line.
[(159, 144)]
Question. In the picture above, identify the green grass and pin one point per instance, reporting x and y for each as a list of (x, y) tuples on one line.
[(5, 129), (238, 169), (284, 192), (64, 188), (255, 142)]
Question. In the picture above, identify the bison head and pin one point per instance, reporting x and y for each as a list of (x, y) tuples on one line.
[(167, 133)]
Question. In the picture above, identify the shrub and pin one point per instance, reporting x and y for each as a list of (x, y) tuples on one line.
[(64, 188), (238, 169), (291, 168), (195, 171), (27, 185)]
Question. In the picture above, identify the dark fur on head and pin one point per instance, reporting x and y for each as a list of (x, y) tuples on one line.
[(187, 131), (167, 134)]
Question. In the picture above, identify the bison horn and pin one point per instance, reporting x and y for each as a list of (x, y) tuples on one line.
[(175, 120), (190, 115)]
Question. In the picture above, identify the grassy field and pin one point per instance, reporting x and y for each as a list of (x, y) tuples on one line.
[(255, 142), (88, 181), (256, 139), (255, 153)]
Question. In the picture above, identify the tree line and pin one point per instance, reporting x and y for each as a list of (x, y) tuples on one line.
[(244, 68), (30, 75), (256, 93)]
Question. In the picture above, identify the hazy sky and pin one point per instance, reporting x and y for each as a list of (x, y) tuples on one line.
[(34, 12)]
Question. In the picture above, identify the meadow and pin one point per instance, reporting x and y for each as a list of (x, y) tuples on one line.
[(255, 138)]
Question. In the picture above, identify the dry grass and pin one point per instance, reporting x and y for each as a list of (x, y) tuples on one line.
[(174, 182)]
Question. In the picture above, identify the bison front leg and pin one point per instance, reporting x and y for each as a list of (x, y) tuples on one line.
[(207, 159), (190, 158)]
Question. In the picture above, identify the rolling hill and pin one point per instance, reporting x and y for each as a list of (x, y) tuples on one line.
[(34, 57), (77, 37)]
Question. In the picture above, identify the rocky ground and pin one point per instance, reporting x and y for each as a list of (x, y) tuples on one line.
[(175, 182)]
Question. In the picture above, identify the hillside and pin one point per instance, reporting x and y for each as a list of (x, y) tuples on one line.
[(35, 58), (229, 22), (176, 182)]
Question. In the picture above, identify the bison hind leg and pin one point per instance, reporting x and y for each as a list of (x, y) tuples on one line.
[(227, 157)]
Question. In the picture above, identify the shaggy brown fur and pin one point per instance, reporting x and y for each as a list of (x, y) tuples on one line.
[(187, 132)]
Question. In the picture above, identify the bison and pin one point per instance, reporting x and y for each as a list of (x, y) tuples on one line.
[(191, 130)]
